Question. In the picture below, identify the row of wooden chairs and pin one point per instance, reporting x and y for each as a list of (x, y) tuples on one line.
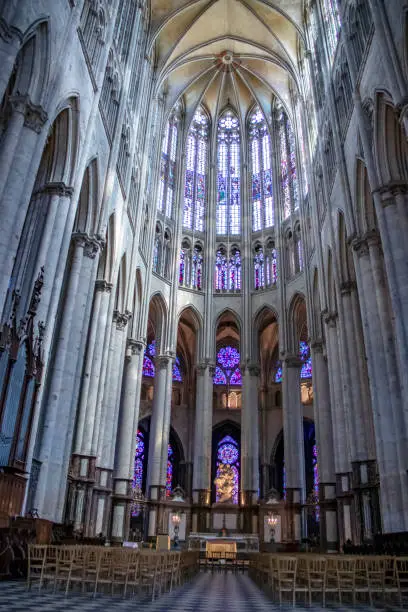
[(337, 576), (116, 570), (223, 561)]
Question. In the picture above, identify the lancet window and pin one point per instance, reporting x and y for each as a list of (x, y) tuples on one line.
[(265, 266), (331, 25), (227, 370), (229, 175), (93, 30), (191, 266), (288, 169), (227, 273), (228, 456), (261, 185), (167, 181), (195, 184)]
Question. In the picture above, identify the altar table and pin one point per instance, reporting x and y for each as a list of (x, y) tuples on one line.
[(220, 548)]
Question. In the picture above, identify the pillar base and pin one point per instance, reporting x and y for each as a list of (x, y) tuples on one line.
[(329, 541), (201, 515), (294, 515)]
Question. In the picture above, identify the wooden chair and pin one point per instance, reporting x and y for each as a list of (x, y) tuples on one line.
[(103, 569), (125, 570), (316, 569), (346, 577), (376, 572), (150, 567), (401, 573), (287, 567), (361, 586), (77, 568), (65, 555), (37, 554)]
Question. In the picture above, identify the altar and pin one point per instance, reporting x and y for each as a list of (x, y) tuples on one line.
[(220, 548), (234, 543)]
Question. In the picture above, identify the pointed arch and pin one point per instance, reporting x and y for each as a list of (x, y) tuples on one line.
[(106, 261), (297, 322), (158, 320), (390, 143), (346, 265), (88, 203), (265, 315), (33, 62)]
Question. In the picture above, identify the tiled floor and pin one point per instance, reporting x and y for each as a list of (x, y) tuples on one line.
[(219, 592)]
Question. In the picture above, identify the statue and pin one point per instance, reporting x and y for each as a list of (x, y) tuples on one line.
[(224, 483)]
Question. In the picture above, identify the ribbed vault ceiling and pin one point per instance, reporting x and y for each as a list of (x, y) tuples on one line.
[(226, 51)]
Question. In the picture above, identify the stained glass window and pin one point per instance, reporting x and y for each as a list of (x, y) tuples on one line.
[(262, 193), (316, 481), (139, 461), (331, 25), (227, 371), (289, 181), (259, 269), (138, 472), (304, 351), (221, 278), (177, 370), (235, 270), (182, 267), (165, 198), (197, 268), (278, 371), (149, 367), (229, 175), (169, 474), (196, 171), (228, 454)]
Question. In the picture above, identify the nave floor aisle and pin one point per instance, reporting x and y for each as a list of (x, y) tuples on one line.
[(217, 592)]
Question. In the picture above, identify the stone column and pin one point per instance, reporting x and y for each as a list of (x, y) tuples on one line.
[(87, 416), (250, 435), (60, 412), (99, 501), (388, 416), (340, 429), (394, 202), (294, 454), (126, 441), (203, 445), (155, 486), (324, 441), (16, 158)]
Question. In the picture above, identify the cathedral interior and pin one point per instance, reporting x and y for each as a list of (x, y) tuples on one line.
[(204, 268)]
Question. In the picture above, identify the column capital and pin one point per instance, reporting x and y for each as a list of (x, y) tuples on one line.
[(162, 361), (121, 319), (292, 361), (330, 318), (58, 188), (347, 287), (102, 285), (252, 368), (390, 190), (136, 347), (90, 245), (34, 115), (317, 346), (360, 246), (203, 366)]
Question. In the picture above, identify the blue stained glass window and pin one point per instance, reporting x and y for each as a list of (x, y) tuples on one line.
[(316, 481), (196, 173), (289, 181), (182, 267), (165, 197), (304, 351), (177, 375), (149, 367), (169, 474), (278, 371), (197, 268), (228, 219), (235, 270), (228, 454), (221, 280), (259, 269), (227, 369), (262, 191)]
